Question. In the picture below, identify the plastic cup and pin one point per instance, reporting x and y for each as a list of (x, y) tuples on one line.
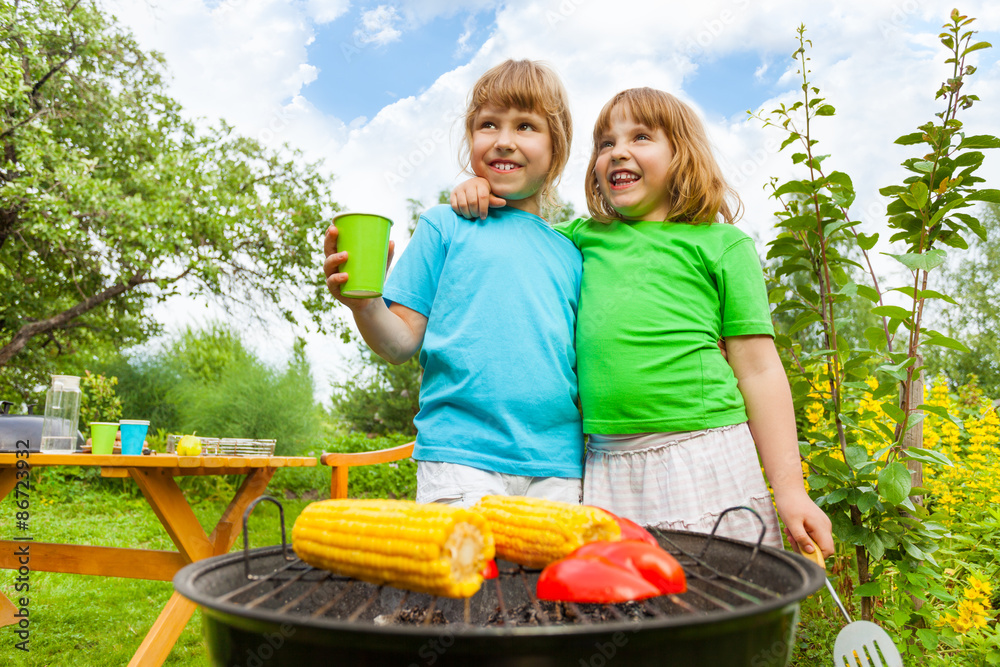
[(365, 237), (102, 437), (133, 435)]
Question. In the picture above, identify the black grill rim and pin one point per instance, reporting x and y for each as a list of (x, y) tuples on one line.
[(186, 583)]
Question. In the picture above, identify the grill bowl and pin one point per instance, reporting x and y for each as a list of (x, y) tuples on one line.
[(272, 623)]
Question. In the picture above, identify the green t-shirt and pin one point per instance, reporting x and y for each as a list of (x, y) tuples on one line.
[(655, 299)]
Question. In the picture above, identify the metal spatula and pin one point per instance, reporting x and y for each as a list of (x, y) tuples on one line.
[(860, 643)]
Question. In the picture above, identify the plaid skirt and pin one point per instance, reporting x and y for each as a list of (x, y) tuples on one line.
[(683, 481)]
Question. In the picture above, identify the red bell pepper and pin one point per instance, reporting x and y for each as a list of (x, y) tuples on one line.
[(653, 564), (592, 579), (633, 531), (490, 570)]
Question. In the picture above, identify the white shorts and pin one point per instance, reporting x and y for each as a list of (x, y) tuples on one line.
[(683, 481), (463, 486)]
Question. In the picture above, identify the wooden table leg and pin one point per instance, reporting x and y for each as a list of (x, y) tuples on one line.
[(160, 639), (231, 522), (8, 480), (174, 512)]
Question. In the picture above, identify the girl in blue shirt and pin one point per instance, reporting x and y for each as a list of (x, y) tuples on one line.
[(490, 306)]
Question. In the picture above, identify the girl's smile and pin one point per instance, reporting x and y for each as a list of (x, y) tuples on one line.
[(512, 149), (633, 168)]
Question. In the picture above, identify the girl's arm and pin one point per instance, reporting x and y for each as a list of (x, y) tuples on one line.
[(394, 333), (473, 198), (762, 382)]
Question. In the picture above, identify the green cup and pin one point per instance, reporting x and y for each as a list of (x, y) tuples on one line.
[(365, 237), (102, 437)]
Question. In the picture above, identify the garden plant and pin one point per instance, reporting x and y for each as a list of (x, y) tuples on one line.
[(861, 396)]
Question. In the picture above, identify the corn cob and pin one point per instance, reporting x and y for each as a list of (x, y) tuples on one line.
[(535, 532), (436, 549)]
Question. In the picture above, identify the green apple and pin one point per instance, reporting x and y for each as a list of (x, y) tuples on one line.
[(189, 445)]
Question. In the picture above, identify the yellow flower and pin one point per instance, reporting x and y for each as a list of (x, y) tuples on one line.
[(982, 587)]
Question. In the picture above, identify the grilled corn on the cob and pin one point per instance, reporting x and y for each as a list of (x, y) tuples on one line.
[(429, 548), (535, 532)]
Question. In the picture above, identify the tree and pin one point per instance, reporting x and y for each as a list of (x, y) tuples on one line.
[(974, 282), (110, 200)]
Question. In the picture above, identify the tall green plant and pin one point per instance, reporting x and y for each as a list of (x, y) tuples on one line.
[(856, 447)]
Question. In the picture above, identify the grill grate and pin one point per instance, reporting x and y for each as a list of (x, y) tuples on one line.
[(721, 579)]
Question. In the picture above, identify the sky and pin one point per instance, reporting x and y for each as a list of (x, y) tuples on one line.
[(376, 92)]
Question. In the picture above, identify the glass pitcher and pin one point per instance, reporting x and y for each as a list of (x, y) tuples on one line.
[(62, 413)]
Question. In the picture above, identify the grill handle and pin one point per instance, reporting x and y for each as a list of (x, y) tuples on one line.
[(246, 548), (756, 548)]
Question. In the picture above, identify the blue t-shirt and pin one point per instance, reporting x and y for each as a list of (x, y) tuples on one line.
[(499, 390)]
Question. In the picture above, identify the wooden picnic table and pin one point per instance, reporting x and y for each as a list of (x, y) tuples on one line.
[(155, 476)]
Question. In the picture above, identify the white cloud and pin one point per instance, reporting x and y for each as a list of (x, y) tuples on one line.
[(325, 11), (378, 26), (462, 45)]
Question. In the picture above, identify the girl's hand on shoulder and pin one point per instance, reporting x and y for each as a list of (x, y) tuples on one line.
[(335, 278), (473, 199), (805, 521)]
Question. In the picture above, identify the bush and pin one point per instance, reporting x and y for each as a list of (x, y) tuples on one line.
[(207, 381), (381, 398)]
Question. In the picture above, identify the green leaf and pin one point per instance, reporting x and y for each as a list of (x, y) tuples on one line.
[(876, 549), (928, 456), (944, 341), (909, 200), (921, 261), (799, 187), (869, 293), (875, 336), (929, 639), (894, 411), (856, 456), (992, 196), (914, 551), (792, 137), (894, 483), (910, 139), (931, 294), (922, 166), (940, 411), (897, 312), (817, 481), (980, 141), (867, 241), (825, 110), (866, 501), (919, 192), (913, 420), (976, 47), (803, 321), (871, 589), (835, 496)]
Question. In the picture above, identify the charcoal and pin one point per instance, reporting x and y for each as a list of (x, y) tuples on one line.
[(412, 616)]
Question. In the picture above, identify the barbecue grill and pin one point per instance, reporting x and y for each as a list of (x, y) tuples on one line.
[(264, 606)]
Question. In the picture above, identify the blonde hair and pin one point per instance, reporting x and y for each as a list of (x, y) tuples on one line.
[(697, 191), (530, 86)]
